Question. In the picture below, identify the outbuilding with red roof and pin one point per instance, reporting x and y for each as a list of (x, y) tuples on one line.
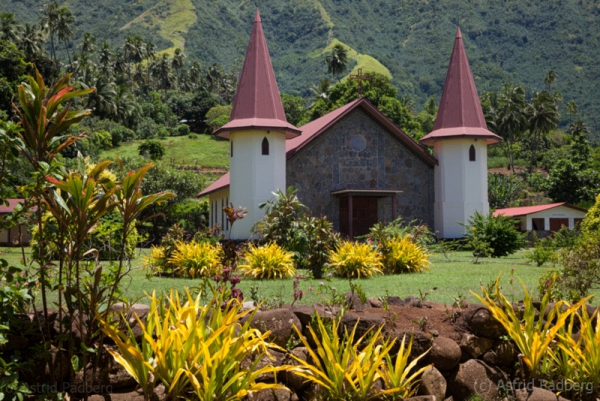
[(545, 218)]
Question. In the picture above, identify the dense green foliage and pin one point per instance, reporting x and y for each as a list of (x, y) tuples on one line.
[(498, 234), (506, 41)]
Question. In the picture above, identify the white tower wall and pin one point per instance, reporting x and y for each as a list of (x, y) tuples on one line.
[(254, 176), (460, 184)]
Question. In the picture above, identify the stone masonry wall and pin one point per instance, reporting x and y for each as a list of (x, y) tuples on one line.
[(329, 163)]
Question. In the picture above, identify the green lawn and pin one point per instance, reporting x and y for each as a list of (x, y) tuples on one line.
[(452, 279), (204, 151)]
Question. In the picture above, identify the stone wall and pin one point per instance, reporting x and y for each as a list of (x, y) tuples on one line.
[(329, 163)]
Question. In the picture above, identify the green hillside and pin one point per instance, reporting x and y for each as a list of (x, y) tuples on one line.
[(513, 40)]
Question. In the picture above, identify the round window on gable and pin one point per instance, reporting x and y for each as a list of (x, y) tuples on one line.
[(358, 143)]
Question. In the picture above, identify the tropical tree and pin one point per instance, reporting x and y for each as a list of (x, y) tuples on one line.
[(162, 71), (510, 118), (49, 24), (337, 61), (550, 79), (64, 28), (88, 45), (571, 109), (320, 91), (9, 28), (31, 41), (542, 117), (177, 63)]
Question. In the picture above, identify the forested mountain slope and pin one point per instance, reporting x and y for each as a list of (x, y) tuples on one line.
[(515, 41)]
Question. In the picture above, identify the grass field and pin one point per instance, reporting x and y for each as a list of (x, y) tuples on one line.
[(204, 151), (452, 279)]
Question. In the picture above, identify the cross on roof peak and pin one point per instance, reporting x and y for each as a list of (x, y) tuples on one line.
[(360, 77)]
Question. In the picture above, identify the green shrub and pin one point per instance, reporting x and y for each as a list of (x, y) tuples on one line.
[(181, 130), (268, 262), (404, 256), (581, 266), (154, 149), (121, 134), (541, 252), (503, 190), (146, 128), (355, 260), (494, 236), (193, 136), (591, 223), (103, 139)]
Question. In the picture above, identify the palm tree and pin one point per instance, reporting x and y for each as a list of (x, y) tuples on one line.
[(511, 120), (571, 109), (337, 61), (177, 63), (550, 79), (88, 46), (49, 24), (9, 28), (162, 70), (105, 57), (542, 117), (320, 92), (31, 41), (195, 74), (133, 52), (64, 28)]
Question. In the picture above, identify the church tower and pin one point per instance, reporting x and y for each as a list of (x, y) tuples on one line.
[(257, 130), (459, 139)]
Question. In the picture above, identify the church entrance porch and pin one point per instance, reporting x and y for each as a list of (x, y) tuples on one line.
[(358, 210)]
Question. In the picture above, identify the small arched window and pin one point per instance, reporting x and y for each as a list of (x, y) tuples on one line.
[(230, 148), (472, 153), (265, 146)]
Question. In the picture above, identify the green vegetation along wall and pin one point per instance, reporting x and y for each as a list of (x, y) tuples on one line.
[(514, 41)]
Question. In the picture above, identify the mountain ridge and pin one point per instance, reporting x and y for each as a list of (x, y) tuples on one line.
[(510, 41)]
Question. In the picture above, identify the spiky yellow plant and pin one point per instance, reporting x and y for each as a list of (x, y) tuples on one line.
[(268, 262), (196, 259), (355, 260), (405, 256), (532, 336), (156, 261), (347, 368), (197, 349), (583, 354)]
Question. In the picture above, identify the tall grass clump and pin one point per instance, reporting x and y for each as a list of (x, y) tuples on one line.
[(355, 260), (268, 262)]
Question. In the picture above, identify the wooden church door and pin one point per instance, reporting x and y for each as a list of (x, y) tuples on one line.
[(364, 215)]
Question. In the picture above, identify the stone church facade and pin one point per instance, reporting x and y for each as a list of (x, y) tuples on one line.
[(333, 162)]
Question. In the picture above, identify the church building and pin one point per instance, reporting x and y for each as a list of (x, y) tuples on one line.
[(353, 165)]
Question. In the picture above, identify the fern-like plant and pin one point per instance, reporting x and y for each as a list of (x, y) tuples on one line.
[(355, 260), (196, 259), (405, 256), (268, 262)]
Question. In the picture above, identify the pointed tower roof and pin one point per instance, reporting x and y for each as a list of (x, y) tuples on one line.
[(460, 114), (257, 104)]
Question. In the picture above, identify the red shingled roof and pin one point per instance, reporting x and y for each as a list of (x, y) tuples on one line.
[(524, 210), (257, 104), (460, 114), (315, 128)]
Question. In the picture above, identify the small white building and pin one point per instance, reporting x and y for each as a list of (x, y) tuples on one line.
[(550, 217)]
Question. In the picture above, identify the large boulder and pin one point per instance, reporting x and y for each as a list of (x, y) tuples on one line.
[(139, 310), (364, 322), (306, 313), (445, 353), (354, 302), (474, 346), (475, 377), (503, 353), (271, 395), (433, 383), (274, 358), (480, 322), (421, 343), (290, 379), (279, 322)]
